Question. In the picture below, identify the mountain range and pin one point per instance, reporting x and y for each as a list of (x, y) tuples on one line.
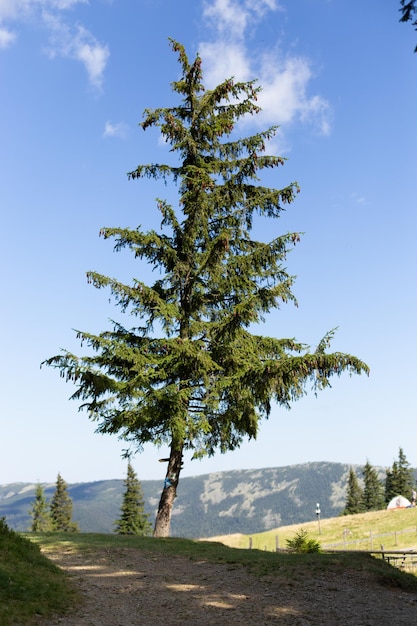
[(245, 501)]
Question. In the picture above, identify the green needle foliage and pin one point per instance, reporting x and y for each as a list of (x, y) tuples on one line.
[(302, 543), (133, 520), (354, 495), (193, 375), (61, 508), (399, 479), (373, 495), (40, 513)]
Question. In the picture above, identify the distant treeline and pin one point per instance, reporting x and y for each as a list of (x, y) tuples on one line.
[(367, 492), (56, 515), (245, 501)]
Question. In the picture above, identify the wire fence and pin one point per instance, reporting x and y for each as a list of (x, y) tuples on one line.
[(368, 543)]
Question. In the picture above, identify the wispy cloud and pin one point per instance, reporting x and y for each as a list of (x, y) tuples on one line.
[(285, 84), (77, 43), (358, 198), (93, 54), (115, 130), (7, 37), (222, 59), (21, 9), (234, 16), (9, 10), (65, 39), (285, 79)]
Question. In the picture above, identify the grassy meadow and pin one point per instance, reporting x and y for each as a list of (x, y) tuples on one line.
[(395, 530)]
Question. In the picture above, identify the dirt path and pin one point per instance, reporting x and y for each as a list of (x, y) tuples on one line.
[(127, 587)]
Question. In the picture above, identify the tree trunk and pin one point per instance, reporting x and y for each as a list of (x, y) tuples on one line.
[(169, 492)]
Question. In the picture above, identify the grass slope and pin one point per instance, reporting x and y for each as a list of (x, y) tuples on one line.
[(30, 585), (395, 529)]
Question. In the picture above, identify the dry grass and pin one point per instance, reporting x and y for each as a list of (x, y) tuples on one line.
[(395, 529)]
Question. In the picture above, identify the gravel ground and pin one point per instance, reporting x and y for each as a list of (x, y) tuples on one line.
[(127, 587)]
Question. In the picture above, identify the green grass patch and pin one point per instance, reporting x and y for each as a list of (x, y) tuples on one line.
[(30, 584)]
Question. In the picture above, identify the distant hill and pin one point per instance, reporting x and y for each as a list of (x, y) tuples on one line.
[(245, 501)]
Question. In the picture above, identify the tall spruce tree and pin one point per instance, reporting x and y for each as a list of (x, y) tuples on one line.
[(192, 375), (354, 495), (373, 495), (399, 479), (133, 520), (61, 508), (40, 513)]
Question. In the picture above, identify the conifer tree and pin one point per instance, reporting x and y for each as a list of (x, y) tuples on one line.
[(61, 508), (193, 374), (390, 490), (399, 479), (373, 496), (40, 513), (354, 495), (133, 519)]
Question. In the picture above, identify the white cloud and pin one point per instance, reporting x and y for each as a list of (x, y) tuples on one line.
[(115, 130), (18, 9), (65, 40), (94, 55), (284, 96), (285, 80), (222, 60), (78, 44), (63, 4), (227, 15), (7, 37), (234, 16), (317, 111), (9, 9)]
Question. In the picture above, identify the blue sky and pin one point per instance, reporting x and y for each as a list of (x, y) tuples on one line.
[(340, 80)]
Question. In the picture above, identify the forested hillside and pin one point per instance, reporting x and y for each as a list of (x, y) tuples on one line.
[(245, 501)]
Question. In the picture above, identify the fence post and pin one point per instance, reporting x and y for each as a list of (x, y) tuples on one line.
[(276, 543), (396, 542), (371, 540), (250, 543)]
